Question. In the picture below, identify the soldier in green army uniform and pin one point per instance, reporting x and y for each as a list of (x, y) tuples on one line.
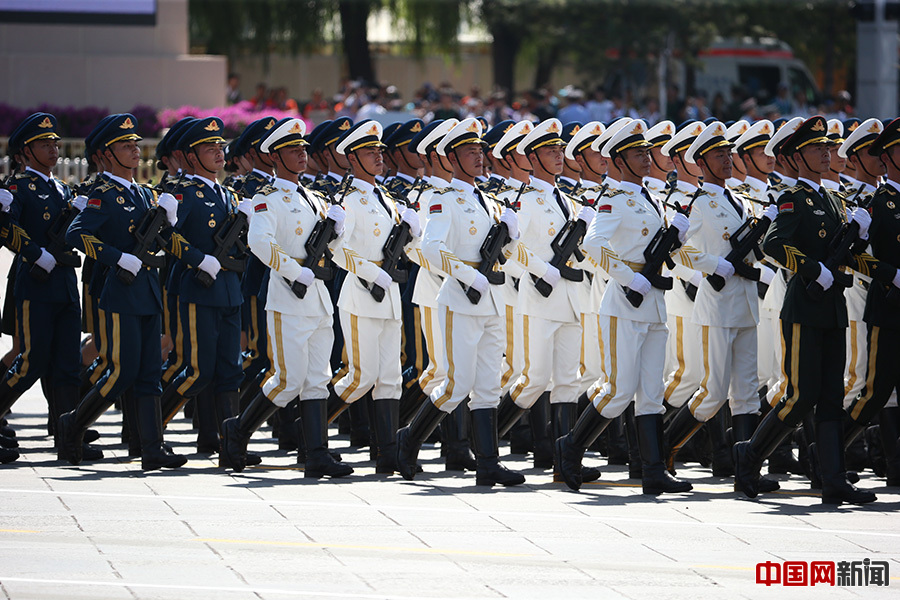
[(882, 313), (814, 318)]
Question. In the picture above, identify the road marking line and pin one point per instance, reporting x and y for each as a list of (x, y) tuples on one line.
[(367, 548), (297, 593), (18, 531), (457, 511)]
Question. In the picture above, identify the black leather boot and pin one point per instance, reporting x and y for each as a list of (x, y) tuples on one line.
[(170, 403), (289, 437), (65, 399), (131, 424), (361, 432), (616, 443), (226, 405), (484, 433), (748, 456), (889, 428), (8, 455), (680, 429), (722, 465), (742, 428), (154, 455), (387, 418), (410, 400), (7, 398), (830, 450), (562, 419), (73, 424), (656, 479), (570, 448), (236, 432), (635, 469), (458, 456), (410, 438), (508, 412), (539, 418), (319, 461), (335, 406)]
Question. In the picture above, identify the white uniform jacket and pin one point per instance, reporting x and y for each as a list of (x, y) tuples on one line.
[(284, 216)]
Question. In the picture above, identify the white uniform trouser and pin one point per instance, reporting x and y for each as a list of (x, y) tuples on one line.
[(729, 372), (373, 358), (768, 337), (857, 357), (435, 373), (299, 349), (473, 347), (591, 352), (511, 328), (634, 356), (687, 371), (551, 352)]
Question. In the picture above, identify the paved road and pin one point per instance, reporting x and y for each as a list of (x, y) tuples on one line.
[(105, 530)]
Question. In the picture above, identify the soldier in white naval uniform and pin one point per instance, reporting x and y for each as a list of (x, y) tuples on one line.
[(633, 337), (551, 325), (300, 329), (460, 218), (371, 327)]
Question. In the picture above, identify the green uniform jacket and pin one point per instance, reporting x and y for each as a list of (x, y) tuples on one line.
[(884, 236)]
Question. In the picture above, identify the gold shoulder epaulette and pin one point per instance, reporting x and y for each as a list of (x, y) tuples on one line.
[(267, 189), (447, 189), (742, 188)]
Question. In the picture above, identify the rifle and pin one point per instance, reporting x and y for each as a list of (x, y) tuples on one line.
[(743, 241), (657, 253), (58, 247), (492, 253), (394, 255), (565, 246), (317, 245), (148, 240), (229, 235), (838, 253)]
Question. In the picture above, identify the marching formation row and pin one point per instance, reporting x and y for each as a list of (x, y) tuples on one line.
[(545, 282)]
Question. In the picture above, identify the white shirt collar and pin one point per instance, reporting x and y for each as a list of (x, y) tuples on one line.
[(788, 181), (264, 175), (334, 176), (285, 184), (685, 187), (570, 181), (125, 182), (611, 184), (208, 182), (467, 188), (756, 183), (893, 183), (654, 183), (363, 186), (514, 183), (39, 174), (831, 185), (631, 187), (406, 177), (712, 188), (438, 182), (814, 185), (542, 186)]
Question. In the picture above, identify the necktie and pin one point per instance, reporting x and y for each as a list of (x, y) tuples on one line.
[(650, 200), (481, 201), (734, 203), (218, 189), (562, 205), (383, 203)]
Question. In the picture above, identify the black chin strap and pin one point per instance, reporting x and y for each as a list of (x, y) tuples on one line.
[(810, 169), (711, 171), (588, 167), (116, 156), (540, 162), (753, 162), (281, 160), (890, 158), (34, 158), (362, 167), (627, 166), (461, 168), (403, 156), (790, 163), (199, 160), (863, 167)]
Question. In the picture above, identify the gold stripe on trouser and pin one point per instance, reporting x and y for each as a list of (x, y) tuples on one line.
[(116, 346), (782, 389), (271, 372), (26, 325), (429, 343), (704, 392), (795, 366), (582, 368), (357, 372), (279, 356), (417, 325), (524, 380), (402, 342), (195, 362), (175, 367), (451, 370), (870, 375), (854, 355), (508, 357), (679, 356), (613, 366), (102, 348), (346, 362)]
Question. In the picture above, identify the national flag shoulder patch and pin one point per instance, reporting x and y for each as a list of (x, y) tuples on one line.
[(13, 188), (786, 207), (179, 197), (261, 207), (95, 202), (606, 208), (434, 208)]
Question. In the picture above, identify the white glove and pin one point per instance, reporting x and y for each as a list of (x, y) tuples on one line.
[(411, 217), (825, 278), (6, 199), (896, 281), (587, 215), (862, 216), (682, 224), (551, 276), (512, 222), (383, 280), (724, 268), (168, 203), (770, 212), (640, 284), (246, 207), (480, 284), (307, 277), (696, 279), (79, 202), (46, 261), (210, 265), (130, 263), (766, 275), (336, 213)]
